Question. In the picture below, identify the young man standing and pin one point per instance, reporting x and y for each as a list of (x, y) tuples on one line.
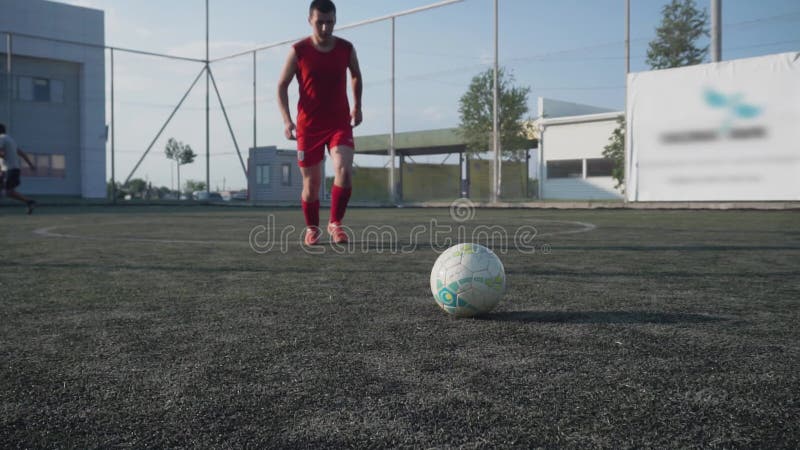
[(324, 118), (9, 179)]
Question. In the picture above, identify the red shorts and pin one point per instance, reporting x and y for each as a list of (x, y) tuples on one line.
[(311, 146)]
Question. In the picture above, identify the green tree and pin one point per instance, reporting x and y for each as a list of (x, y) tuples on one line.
[(180, 153), (192, 185), (111, 188), (136, 187), (675, 44), (162, 192), (476, 111), (615, 151), (681, 26)]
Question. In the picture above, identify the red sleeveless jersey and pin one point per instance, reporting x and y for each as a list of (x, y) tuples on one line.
[(322, 80)]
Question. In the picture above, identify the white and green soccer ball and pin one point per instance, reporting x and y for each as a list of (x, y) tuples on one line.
[(467, 280)]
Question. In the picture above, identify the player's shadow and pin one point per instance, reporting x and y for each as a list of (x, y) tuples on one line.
[(598, 317)]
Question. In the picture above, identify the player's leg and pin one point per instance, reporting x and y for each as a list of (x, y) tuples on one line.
[(11, 183), (17, 196), (342, 159), (310, 156), (312, 179)]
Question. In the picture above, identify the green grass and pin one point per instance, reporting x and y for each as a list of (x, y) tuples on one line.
[(161, 327)]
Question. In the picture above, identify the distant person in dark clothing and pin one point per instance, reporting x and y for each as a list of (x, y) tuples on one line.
[(9, 176)]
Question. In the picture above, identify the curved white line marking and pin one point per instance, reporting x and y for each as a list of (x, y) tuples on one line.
[(48, 232), (585, 227)]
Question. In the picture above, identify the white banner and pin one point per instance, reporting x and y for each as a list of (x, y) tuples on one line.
[(727, 131)]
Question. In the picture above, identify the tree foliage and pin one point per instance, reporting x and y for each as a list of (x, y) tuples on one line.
[(675, 44), (180, 153), (476, 111), (615, 151), (193, 185), (136, 187)]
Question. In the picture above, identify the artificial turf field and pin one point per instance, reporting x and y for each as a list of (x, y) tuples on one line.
[(162, 327)]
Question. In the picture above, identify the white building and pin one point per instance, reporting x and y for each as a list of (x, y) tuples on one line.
[(274, 176), (570, 155), (53, 99)]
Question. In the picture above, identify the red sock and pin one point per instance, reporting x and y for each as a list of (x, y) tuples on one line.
[(311, 213), (339, 198)]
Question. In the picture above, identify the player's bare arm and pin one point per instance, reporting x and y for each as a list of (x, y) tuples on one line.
[(357, 84), (287, 74)]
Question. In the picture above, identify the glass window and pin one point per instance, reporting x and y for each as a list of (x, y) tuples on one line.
[(599, 167), (25, 88), (58, 162), (58, 166), (262, 174), (33, 89), (286, 174), (42, 162), (47, 165), (566, 168), (41, 89)]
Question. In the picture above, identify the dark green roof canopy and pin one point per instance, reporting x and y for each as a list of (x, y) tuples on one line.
[(427, 142)]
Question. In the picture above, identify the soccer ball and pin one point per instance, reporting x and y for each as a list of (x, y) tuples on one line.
[(467, 280)]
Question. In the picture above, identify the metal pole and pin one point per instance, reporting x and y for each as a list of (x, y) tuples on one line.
[(113, 137), (208, 113), (716, 30), (255, 103), (495, 136), (527, 174), (10, 82), (230, 128), (627, 39), (540, 164), (392, 150), (165, 126), (625, 161)]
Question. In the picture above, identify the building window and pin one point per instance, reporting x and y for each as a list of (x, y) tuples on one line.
[(41, 90), (36, 89), (262, 174), (565, 168), (50, 165), (599, 167), (25, 88), (286, 174)]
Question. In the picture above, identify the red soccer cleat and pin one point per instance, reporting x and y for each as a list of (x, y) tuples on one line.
[(338, 235), (312, 236)]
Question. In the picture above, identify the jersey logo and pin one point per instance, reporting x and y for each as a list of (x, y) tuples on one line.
[(301, 155)]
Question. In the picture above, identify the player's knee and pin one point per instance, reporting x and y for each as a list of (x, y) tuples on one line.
[(310, 195), (344, 173)]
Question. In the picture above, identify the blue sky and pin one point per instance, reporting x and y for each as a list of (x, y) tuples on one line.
[(568, 50)]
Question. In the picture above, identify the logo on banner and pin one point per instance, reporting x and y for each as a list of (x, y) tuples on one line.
[(736, 110), (733, 105)]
